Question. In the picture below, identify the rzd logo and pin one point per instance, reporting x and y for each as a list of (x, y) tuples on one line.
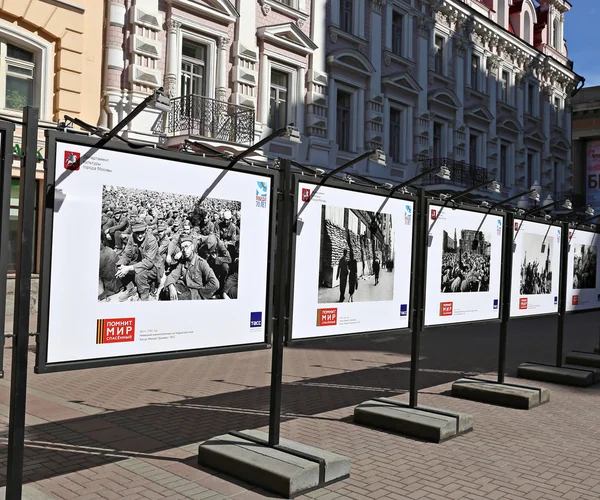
[(327, 317), (110, 331)]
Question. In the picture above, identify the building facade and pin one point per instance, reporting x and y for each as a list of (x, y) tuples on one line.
[(484, 85), (51, 58)]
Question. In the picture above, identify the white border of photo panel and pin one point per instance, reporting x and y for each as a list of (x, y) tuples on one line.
[(461, 307), (587, 298), (160, 326), (350, 317), (532, 305)]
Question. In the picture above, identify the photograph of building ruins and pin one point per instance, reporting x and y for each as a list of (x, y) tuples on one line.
[(356, 260)]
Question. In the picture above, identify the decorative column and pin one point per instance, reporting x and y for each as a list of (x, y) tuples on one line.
[(493, 65), (223, 42), (360, 116), (263, 105), (460, 45), (568, 124), (546, 97), (299, 124), (409, 134), (172, 71), (520, 98), (375, 123), (425, 28)]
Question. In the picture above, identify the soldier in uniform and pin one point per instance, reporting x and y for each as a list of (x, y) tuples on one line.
[(162, 240), (218, 257), (192, 279), (118, 230), (140, 261)]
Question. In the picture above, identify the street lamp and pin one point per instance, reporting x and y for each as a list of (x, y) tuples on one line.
[(494, 187), (533, 195), (443, 172)]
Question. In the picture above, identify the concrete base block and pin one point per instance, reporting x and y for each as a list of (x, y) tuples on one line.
[(29, 493), (423, 422), (513, 396), (564, 375), (289, 470), (579, 358)]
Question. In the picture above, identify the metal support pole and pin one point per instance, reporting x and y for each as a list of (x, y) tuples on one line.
[(18, 379), (419, 296), (506, 293), (562, 294), (285, 212)]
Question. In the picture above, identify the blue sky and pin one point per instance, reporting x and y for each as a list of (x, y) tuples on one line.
[(582, 25)]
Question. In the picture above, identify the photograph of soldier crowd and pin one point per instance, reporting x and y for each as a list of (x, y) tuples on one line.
[(536, 268), (584, 266), (356, 257), (465, 261), (167, 246)]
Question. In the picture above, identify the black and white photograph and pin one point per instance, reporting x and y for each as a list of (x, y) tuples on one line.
[(465, 261), (536, 266), (166, 246), (584, 266), (356, 257)]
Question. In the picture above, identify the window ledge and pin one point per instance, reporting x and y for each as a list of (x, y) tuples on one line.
[(531, 117), (14, 114), (288, 10), (506, 106), (389, 56), (476, 93), (434, 75), (335, 33)]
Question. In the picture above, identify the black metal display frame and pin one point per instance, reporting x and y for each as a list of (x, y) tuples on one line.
[(468, 208), (52, 138), (380, 192), (6, 163)]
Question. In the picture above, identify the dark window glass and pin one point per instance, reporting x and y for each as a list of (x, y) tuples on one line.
[(343, 119), (397, 20), (395, 134)]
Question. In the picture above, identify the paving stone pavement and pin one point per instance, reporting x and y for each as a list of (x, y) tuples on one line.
[(132, 432)]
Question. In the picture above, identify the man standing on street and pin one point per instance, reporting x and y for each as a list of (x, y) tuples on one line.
[(376, 267), (342, 275)]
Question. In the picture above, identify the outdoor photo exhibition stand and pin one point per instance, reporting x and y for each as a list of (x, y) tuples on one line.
[(6, 161), (579, 291)]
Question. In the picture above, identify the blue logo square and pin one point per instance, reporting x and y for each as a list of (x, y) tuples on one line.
[(495, 303), (556, 299), (403, 309), (256, 319)]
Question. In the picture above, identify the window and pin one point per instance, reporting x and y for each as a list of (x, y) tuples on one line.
[(502, 13), (286, 2), (555, 34), (18, 69), (395, 134), (556, 179), (527, 27), (503, 165), (557, 111), (278, 111), (530, 168), (529, 108), (437, 140), (504, 87), (343, 120), (397, 20), (193, 68), (474, 72), (13, 225), (438, 61), (346, 16), (473, 149)]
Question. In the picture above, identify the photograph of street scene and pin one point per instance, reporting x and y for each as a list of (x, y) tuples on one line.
[(465, 261), (356, 259), (584, 267), (166, 246), (536, 268)]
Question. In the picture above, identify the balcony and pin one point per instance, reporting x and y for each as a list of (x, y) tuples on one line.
[(195, 115), (462, 174)]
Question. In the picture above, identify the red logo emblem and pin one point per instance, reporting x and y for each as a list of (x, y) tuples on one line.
[(575, 300), (516, 226), (433, 214), (327, 317), (72, 160), (305, 194), (446, 308), (110, 331), (523, 303)]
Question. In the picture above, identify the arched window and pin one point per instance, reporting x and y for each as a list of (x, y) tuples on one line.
[(501, 13), (555, 34), (527, 27)]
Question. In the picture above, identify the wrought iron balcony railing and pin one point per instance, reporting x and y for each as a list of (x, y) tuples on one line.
[(461, 174), (200, 116)]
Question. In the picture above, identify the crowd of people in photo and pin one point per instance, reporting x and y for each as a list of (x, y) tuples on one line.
[(584, 267), (465, 272), (534, 280), (161, 246)]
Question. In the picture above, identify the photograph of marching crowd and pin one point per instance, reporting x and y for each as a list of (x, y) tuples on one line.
[(584, 267), (465, 261), (536, 268), (166, 246)]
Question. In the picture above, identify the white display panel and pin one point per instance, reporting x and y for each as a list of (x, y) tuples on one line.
[(337, 220), (85, 323), (535, 269), (583, 291), (463, 277)]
